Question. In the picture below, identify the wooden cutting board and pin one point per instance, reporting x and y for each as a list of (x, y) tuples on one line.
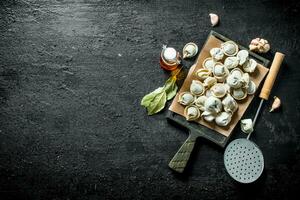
[(215, 40)]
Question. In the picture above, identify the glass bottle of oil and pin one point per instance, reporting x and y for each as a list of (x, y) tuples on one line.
[(169, 58)]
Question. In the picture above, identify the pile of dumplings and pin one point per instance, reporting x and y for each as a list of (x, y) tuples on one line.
[(223, 80)]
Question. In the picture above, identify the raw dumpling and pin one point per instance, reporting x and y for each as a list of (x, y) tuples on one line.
[(208, 116), (191, 113), (219, 90), (229, 104), (231, 62), (197, 88), (216, 53), (247, 125), (239, 93), (186, 98), (213, 105), (202, 74), (200, 102), (234, 80), (223, 118), (209, 81), (208, 63), (250, 65), (229, 48), (251, 88), (243, 56), (220, 72)]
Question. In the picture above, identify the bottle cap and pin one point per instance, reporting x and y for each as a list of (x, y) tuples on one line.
[(170, 54)]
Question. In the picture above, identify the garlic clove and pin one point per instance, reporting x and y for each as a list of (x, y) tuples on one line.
[(276, 104), (214, 19)]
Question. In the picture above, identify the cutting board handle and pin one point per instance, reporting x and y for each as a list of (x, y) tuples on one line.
[(269, 82), (181, 158)]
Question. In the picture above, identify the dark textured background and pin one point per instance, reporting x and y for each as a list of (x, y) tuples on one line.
[(73, 72)]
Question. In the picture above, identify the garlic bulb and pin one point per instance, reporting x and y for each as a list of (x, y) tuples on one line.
[(213, 104), (276, 104), (247, 125), (186, 98), (223, 118), (259, 45), (214, 19)]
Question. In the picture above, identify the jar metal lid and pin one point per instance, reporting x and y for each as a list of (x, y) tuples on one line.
[(170, 54)]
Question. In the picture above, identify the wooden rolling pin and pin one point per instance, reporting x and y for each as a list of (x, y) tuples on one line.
[(269, 82)]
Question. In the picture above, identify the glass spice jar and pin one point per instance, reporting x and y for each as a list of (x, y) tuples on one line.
[(169, 58)]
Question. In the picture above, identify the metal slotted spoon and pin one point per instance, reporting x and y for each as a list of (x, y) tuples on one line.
[(243, 159)]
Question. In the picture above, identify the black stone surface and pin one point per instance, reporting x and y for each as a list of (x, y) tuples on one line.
[(73, 72)]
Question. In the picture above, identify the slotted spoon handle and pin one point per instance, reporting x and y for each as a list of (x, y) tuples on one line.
[(181, 158), (269, 82)]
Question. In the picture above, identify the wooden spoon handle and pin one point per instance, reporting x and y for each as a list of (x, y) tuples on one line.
[(180, 159), (269, 82)]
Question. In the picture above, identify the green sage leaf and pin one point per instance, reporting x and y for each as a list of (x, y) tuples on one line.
[(149, 97), (172, 92), (170, 87), (158, 103)]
